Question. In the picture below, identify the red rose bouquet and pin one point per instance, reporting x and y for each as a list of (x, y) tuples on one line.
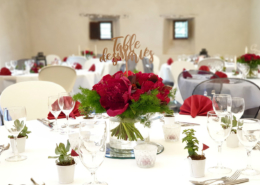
[(87, 53), (127, 98), (35, 68), (252, 60)]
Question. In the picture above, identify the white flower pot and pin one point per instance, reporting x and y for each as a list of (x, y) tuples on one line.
[(66, 174), (169, 120), (197, 167), (232, 141), (20, 144)]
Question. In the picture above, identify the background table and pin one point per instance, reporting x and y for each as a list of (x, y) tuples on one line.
[(171, 166)]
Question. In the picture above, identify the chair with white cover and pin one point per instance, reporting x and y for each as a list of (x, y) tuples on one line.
[(62, 75), (51, 58), (76, 59), (33, 95), (211, 61)]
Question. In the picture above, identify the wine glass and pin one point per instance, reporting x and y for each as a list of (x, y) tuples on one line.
[(222, 103), (8, 65), (14, 121), (66, 104), (238, 107), (212, 67), (14, 64), (92, 146), (248, 132), (54, 108), (244, 68), (219, 127), (218, 66)]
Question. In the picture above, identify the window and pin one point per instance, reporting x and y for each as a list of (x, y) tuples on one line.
[(181, 29), (101, 30)]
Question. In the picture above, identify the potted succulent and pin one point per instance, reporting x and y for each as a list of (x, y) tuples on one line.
[(21, 139), (232, 140), (65, 163), (196, 161)]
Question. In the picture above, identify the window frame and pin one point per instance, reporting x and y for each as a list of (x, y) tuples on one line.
[(178, 38), (111, 29)]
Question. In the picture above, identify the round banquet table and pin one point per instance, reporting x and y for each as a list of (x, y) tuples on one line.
[(84, 79), (171, 166)]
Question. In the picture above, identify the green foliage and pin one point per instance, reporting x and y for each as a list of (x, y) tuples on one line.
[(64, 159), (224, 69), (135, 71), (23, 133), (172, 93), (191, 142), (17, 126), (226, 123), (235, 73)]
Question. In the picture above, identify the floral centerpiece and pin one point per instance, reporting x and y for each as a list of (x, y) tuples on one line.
[(252, 61), (128, 98), (35, 68), (87, 53)]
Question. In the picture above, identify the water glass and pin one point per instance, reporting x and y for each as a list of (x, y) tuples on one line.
[(54, 108), (92, 146), (14, 64), (219, 127), (248, 132), (8, 65), (171, 132), (244, 68), (238, 107), (222, 103), (14, 120), (145, 155)]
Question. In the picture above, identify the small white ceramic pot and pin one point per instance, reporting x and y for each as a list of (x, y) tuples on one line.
[(197, 167), (20, 144), (66, 174), (232, 140), (169, 120)]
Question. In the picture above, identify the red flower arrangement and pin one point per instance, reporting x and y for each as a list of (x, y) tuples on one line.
[(35, 68), (128, 98), (251, 59)]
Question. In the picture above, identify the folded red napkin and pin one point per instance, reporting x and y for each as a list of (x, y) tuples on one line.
[(204, 68), (65, 59), (5, 71), (92, 68), (118, 59), (169, 61), (74, 113), (196, 105), (220, 75), (186, 74), (78, 66)]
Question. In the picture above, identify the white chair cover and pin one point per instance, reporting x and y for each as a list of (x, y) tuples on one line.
[(78, 59), (207, 61)]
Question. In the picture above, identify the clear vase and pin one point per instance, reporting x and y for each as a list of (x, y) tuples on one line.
[(253, 73), (125, 145)]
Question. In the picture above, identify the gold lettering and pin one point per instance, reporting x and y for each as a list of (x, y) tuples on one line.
[(151, 58), (103, 58)]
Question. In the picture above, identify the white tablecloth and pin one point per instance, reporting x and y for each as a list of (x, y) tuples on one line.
[(165, 73), (171, 166), (85, 79)]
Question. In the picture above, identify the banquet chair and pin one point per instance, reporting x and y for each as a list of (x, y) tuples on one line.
[(147, 66), (185, 88), (33, 95), (236, 88), (78, 59), (208, 61), (131, 65), (62, 75), (51, 58)]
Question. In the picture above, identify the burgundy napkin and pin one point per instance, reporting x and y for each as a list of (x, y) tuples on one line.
[(5, 71), (220, 75), (169, 61), (118, 59), (196, 105), (92, 68), (204, 68), (186, 74), (65, 59), (74, 113), (78, 66)]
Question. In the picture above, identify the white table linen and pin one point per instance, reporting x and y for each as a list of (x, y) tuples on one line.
[(85, 79), (171, 166), (165, 73)]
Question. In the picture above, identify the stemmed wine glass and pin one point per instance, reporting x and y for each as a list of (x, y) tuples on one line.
[(244, 68), (248, 131), (92, 146), (219, 127), (238, 107), (222, 103), (14, 64), (8, 65), (14, 121), (54, 108), (66, 104), (212, 67)]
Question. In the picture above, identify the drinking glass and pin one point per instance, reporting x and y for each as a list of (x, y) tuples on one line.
[(14, 121), (54, 108), (92, 146), (218, 66), (244, 68), (66, 104), (238, 107), (14, 64), (222, 103), (248, 132), (8, 65), (212, 67), (219, 127)]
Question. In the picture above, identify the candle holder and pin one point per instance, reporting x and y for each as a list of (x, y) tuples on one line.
[(145, 155), (171, 132)]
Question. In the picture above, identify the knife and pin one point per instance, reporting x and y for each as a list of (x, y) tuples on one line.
[(239, 181), (185, 124), (46, 123)]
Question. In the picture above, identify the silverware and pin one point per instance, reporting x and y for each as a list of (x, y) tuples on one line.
[(186, 124), (46, 122), (257, 146), (35, 183), (4, 148), (239, 181)]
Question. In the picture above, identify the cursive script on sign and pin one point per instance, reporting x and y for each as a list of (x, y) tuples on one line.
[(126, 51)]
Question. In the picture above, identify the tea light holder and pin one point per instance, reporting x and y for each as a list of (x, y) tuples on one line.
[(171, 132), (145, 155)]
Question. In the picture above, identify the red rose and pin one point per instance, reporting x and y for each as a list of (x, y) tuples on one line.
[(78, 66), (65, 59), (136, 95), (91, 52), (170, 61), (130, 73), (142, 77), (147, 86), (5, 71), (114, 93), (86, 52)]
